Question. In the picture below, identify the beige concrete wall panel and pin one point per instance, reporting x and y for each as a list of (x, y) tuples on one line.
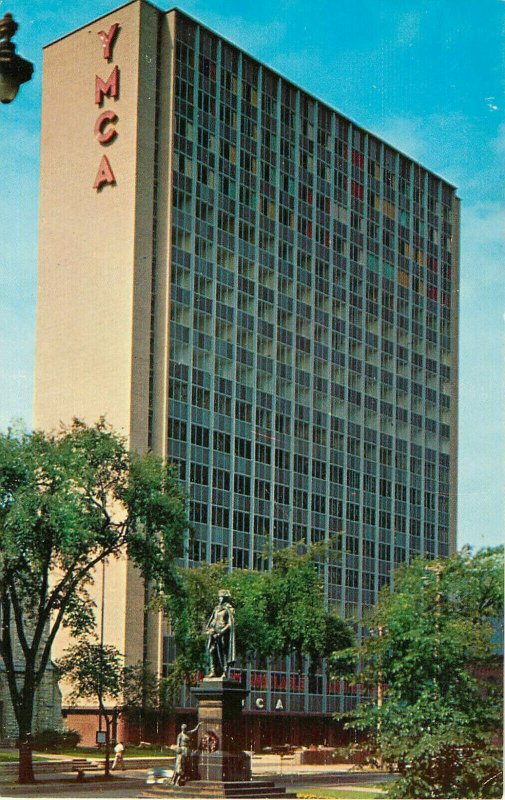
[(163, 243), (87, 237), (142, 295), (144, 224), (134, 619), (94, 252), (154, 634), (113, 592)]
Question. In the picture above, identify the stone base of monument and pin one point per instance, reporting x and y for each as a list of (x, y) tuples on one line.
[(221, 741), (232, 789), (220, 767), (223, 766)]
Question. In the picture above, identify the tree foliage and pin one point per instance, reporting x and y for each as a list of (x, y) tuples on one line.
[(278, 612), (98, 672), (68, 501), (430, 649)]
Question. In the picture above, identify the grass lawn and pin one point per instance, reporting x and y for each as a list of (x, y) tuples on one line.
[(130, 752), (344, 793), (7, 756)]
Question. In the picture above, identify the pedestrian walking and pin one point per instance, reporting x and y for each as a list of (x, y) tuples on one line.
[(118, 756)]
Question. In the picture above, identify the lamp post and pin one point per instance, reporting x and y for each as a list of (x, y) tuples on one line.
[(14, 70)]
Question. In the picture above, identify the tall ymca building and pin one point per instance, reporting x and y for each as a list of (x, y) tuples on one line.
[(246, 282)]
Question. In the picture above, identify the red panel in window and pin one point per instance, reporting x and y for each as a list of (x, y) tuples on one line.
[(432, 292), (358, 159), (357, 190)]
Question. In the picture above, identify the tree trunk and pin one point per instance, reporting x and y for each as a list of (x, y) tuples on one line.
[(24, 716), (25, 774), (107, 746)]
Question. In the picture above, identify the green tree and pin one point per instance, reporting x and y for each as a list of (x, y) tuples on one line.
[(98, 672), (278, 613), (430, 711), (68, 501)]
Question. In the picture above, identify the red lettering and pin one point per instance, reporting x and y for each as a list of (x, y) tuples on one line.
[(110, 87), (108, 40), (105, 136), (104, 175)]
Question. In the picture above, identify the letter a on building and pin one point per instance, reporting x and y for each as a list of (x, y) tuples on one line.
[(104, 175)]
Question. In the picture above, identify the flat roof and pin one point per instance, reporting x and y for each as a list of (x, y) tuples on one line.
[(270, 69), (102, 16), (309, 94)]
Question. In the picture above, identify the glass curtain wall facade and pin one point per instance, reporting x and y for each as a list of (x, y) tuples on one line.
[(310, 336)]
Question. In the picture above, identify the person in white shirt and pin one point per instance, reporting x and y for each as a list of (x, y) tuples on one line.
[(118, 756)]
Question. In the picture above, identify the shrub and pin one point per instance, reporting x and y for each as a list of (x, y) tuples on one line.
[(50, 740)]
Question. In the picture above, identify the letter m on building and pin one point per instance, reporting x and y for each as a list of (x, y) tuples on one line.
[(109, 88)]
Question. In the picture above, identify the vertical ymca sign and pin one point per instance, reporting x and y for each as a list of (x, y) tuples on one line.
[(105, 130)]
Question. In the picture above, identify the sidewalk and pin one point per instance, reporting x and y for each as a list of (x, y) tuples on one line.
[(130, 782), (286, 771), (270, 765)]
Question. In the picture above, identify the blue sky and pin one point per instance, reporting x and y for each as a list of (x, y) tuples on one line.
[(426, 75)]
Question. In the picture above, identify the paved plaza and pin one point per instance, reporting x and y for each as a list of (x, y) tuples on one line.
[(131, 782)]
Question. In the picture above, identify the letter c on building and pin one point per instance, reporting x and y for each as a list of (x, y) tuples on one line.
[(260, 703), (105, 136)]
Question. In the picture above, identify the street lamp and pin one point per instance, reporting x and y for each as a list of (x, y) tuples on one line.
[(14, 70)]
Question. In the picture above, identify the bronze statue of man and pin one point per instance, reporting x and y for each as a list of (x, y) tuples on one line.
[(221, 636)]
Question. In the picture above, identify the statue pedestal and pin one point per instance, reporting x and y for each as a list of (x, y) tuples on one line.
[(220, 767), (221, 742)]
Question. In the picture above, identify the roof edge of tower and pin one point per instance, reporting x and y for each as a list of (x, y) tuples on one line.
[(271, 69), (315, 97), (102, 16)]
